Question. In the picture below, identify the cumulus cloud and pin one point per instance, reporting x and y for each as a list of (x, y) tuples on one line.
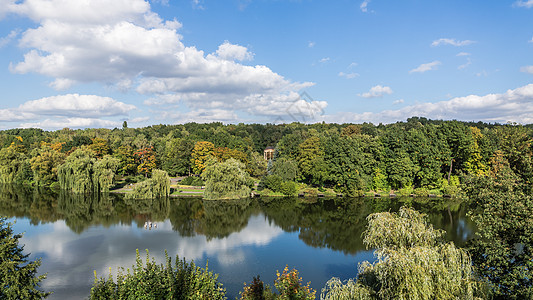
[(463, 54), (512, 106), (453, 42), (426, 67), (71, 110), (377, 92), (526, 4), (125, 45), (233, 52), (324, 60), (527, 69), (53, 124), (311, 44)]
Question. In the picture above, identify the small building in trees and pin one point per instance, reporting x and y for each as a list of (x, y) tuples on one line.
[(268, 154)]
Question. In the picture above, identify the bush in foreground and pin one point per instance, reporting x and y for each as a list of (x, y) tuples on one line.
[(289, 285), (152, 281)]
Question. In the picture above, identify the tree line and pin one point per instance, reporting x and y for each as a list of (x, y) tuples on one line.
[(418, 154)]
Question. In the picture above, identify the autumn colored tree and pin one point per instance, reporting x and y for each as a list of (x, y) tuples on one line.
[(201, 153), (100, 147), (145, 160), (45, 163)]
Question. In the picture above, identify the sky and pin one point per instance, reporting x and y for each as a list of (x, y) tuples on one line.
[(98, 63)]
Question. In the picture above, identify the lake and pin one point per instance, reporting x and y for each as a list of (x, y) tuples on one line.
[(77, 235)]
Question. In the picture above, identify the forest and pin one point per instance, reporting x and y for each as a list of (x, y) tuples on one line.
[(416, 156)]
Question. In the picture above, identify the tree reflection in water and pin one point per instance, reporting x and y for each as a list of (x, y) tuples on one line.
[(336, 223)]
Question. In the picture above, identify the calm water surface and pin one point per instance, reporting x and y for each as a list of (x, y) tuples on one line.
[(76, 236)]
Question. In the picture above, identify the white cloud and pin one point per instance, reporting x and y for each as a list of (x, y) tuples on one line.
[(77, 105), (348, 75), (399, 101), (527, 4), (352, 65), (463, 54), (124, 44), (453, 42), (377, 92), (426, 67), (364, 6), (54, 124), (7, 39), (324, 60), (512, 106), (463, 66), (229, 51), (71, 110), (527, 69), (311, 44)]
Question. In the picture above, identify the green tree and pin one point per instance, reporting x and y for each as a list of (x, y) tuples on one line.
[(201, 154), (226, 180), (76, 173), (257, 165), (502, 208), (82, 173), (158, 186), (14, 166), (311, 160), (44, 164), (286, 168), (18, 275), (413, 262), (126, 157), (104, 173), (177, 158)]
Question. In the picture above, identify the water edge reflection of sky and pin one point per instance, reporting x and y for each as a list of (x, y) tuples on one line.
[(260, 248)]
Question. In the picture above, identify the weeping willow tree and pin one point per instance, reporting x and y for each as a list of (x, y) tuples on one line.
[(104, 173), (83, 173), (226, 180), (14, 166), (413, 262), (158, 186)]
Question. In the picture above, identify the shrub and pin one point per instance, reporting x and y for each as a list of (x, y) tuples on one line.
[(288, 188), (192, 180), (421, 192), (289, 286), (257, 290), (273, 182), (153, 281)]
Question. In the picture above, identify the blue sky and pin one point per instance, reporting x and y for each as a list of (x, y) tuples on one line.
[(97, 63)]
